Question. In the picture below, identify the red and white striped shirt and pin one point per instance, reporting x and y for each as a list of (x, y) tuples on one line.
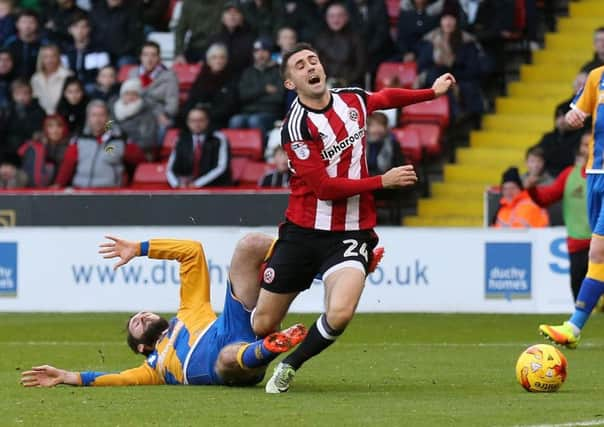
[(330, 187)]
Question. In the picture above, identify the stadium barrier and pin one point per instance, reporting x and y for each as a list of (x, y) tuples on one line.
[(424, 270)]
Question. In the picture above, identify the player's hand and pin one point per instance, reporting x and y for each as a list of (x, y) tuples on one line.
[(575, 118), (442, 84), (401, 176), (43, 376), (123, 249)]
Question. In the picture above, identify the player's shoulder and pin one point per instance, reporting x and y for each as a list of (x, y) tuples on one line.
[(349, 90), (294, 126), (596, 76)]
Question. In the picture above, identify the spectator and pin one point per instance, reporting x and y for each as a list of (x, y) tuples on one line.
[(412, 25), (117, 30), (135, 117), (59, 16), (535, 168), (516, 209), (42, 156), (286, 40), (237, 36), (273, 141), (313, 18), (198, 20), (7, 75), (107, 88), (81, 55), (578, 83), (559, 145), (7, 21), (371, 19), (72, 106), (260, 16), (97, 157), (48, 81), (383, 151), (11, 176), (433, 7), (260, 92), (341, 49), (24, 117), (214, 88), (160, 86), (293, 14), (570, 187), (279, 177), (598, 59), (24, 46), (201, 157), (153, 14), (447, 49)]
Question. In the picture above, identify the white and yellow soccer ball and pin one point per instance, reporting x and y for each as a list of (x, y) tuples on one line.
[(541, 368)]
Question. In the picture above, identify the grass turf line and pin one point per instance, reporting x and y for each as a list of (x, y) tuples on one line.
[(388, 369)]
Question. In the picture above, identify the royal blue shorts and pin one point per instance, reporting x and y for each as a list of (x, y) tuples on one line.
[(595, 205), (232, 326)]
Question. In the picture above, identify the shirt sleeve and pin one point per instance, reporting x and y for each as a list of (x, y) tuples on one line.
[(143, 375), (545, 195), (194, 275), (397, 98), (585, 100)]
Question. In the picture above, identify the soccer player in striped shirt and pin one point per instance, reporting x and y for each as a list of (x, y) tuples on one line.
[(196, 346), (331, 214)]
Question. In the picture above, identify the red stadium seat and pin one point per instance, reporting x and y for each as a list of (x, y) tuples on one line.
[(150, 175), (245, 142), (429, 137), (434, 111), (395, 74), (238, 165), (186, 74), (170, 139), (122, 74), (252, 173), (410, 142)]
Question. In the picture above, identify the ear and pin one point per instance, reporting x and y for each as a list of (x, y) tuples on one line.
[(140, 348), (289, 84)]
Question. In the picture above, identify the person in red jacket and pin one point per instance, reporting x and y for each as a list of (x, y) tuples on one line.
[(570, 187)]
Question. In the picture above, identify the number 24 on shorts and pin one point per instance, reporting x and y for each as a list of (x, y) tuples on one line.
[(352, 246)]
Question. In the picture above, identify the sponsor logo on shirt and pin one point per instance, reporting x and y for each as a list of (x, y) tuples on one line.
[(332, 151)]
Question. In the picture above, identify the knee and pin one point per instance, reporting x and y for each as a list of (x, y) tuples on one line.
[(596, 253), (254, 245), (339, 317), (264, 324)]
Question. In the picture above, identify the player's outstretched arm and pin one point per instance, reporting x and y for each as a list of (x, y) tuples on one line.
[(442, 84), (48, 376), (400, 176), (119, 248)]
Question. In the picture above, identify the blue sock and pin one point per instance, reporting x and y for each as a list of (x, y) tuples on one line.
[(256, 354), (589, 294)]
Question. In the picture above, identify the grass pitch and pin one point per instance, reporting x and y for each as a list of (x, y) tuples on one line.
[(387, 370)]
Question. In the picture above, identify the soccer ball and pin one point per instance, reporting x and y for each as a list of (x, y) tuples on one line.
[(541, 368)]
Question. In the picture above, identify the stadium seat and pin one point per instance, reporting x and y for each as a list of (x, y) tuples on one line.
[(186, 74), (429, 137), (170, 139), (150, 175), (122, 74), (396, 74), (245, 142), (252, 172), (434, 111), (410, 143), (238, 165)]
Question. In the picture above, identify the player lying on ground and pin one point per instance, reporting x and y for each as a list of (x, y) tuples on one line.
[(331, 213), (588, 102), (196, 346)]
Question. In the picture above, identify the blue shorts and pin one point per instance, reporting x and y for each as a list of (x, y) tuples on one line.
[(595, 205), (232, 326)]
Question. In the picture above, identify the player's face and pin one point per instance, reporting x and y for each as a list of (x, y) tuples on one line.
[(305, 74), (140, 322)]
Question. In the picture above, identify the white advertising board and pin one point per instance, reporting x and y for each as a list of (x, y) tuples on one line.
[(424, 270)]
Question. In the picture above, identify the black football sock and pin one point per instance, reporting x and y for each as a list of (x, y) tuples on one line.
[(319, 337)]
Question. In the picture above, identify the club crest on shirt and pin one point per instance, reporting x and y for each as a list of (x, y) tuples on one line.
[(269, 275), (301, 150), (353, 114)]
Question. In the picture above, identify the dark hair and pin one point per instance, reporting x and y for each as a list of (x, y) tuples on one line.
[(599, 30), (536, 151), (79, 16), (17, 83), (28, 12), (378, 117), (72, 80), (149, 337), (298, 47), (151, 43)]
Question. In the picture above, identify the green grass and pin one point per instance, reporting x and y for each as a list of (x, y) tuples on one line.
[(387, 370)]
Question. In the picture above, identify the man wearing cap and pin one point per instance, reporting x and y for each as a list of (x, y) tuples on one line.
[(516, 209), (260, 91)]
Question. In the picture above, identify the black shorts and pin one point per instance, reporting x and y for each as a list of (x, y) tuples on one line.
[(301, 254)]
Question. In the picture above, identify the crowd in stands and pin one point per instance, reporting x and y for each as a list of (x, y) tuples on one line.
[(556, 156), (85, 97)]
